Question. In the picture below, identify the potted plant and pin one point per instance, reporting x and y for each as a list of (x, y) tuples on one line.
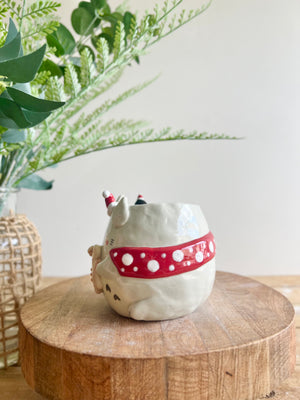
[(47, 79)]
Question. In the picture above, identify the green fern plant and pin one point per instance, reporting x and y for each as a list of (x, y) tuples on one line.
[(76, 72)]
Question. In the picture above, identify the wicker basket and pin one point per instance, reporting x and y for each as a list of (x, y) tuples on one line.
[(20, 271)]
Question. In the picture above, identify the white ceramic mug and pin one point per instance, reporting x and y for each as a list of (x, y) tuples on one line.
[(157, 261)]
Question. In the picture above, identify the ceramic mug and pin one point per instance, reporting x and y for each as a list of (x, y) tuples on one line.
[(157, 261)]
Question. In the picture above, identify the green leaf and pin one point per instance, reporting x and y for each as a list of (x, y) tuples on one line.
[(35, 182), (35, 118), (54, 89), (72, 86), (11, 49), (109, 38), (33, 103), (13, 136), (14, 117), (119, 40), (50, 66), (5, 95), (88, 6), (82, 21), (113, 18), (87, 70), (12, 31), (98, 4), (62, 40), (128, 20), (11, 115), (103, 54), (23, 69), (117, 16), (109, 30), (82, 47), (8, 123)]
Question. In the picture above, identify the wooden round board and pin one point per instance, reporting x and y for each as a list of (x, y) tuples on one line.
[(239, 345)]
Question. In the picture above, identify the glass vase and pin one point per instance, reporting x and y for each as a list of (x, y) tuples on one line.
[(20, 271), (8, 201)]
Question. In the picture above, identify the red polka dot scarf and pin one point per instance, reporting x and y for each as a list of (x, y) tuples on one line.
[(161, 262)]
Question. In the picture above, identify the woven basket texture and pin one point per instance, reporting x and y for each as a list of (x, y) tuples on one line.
[(20, 272)]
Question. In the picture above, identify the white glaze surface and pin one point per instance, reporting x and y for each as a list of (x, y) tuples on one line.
[(154, 225)]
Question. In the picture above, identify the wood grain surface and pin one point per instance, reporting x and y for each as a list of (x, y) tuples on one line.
[(239, 345)]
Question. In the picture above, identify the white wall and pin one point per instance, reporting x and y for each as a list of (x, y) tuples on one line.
[(234, 70)]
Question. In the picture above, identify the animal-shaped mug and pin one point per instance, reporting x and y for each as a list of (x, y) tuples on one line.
[(157, 261)]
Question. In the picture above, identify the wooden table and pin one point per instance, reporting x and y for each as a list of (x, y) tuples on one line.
[(14, 387)]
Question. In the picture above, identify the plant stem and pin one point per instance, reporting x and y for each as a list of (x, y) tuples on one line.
[(9, 164), (22, 15)]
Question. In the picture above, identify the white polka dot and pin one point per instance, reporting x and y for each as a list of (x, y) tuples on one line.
[(171, 267), (115, 254), (123, 269), (178, 255), (143, 255), (208, 254), (199, 256), (211, 246), (135, 269), (191, 250), (127, 259), (163, 255), (188, 263), (153, 265)]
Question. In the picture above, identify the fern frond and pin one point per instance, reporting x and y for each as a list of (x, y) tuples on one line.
[(181, 20), (172, 23), (150, 136), (71, 83), (12, 7), (103, 54), (59, 136), (181, 17), (165, 6), (38, 31), (111, 134), (98, 137), (131, 50), (87, 70), (3, 10), (37, 162), (107, 105), (50, 51), (54, 90), (3, 35), (41, 78), (86, 96), (40, 9), (132, 29), (119, 40)]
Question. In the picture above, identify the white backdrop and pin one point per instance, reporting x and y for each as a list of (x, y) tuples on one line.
[(234, 70)]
